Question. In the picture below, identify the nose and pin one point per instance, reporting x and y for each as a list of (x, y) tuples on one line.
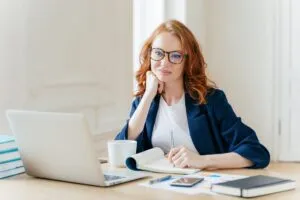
[(165, 60)]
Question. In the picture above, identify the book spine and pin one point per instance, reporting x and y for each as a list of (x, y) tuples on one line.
[(12, 172), (6, 139), (8, 150), (11, 165), (12, 160), (8, 146), (9, 156)]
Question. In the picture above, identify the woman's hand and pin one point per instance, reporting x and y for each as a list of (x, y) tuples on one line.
[(153, 85), (185, 158)]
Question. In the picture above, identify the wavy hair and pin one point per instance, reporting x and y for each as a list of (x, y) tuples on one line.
[(195, 80)]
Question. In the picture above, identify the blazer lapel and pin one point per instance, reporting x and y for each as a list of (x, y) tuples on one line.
[(192, 107), (199, 127)]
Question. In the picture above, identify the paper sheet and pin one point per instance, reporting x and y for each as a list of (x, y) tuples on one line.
[(200, 188)]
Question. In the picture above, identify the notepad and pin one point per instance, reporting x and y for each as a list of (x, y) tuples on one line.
[(154, 160), (254, 186)]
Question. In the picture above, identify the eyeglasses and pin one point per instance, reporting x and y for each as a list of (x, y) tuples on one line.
[(175, 57)]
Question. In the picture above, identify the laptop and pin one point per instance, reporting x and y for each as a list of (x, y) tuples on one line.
[(59, 146)]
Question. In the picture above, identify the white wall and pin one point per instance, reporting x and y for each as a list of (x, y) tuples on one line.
[(195, 19), (289, 73), (67, 56)]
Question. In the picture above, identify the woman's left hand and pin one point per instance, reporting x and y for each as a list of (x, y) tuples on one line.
[(185, 158)]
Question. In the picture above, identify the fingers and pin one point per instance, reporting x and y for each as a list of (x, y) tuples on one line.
[(172, 152), (184, 163), (184, 158), (181, 162), (148, 73), (179, 153), (161, 86), (151, 85), (180, 157), (151, 78)]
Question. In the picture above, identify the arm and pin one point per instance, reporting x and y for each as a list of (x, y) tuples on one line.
[(241, 145), (237, 137), (137, 121), (183, 157), (140, 139), (226, 160), (134, 129)]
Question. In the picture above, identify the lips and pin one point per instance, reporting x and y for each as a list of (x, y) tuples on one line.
[(165, 72)]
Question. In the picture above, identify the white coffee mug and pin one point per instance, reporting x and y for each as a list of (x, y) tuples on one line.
[(119, 151)]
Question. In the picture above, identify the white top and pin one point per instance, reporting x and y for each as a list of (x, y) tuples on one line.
[(168, 119)]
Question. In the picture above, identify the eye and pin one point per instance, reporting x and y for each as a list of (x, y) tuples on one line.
[(158, 52), (176, 55)]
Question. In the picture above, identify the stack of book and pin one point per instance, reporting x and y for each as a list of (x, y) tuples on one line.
[(10, 160)]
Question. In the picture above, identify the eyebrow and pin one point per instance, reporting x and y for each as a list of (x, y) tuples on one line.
[(181, 51)]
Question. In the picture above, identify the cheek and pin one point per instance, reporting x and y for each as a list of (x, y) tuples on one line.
[(179, 70), (154, 65)]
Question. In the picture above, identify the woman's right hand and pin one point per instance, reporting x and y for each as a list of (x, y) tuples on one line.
[(153, 85), (138, 119)]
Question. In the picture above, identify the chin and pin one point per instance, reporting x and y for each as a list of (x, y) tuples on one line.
[(164, 78)]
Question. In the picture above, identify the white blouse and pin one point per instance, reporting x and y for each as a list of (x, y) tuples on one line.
[(172, 119)]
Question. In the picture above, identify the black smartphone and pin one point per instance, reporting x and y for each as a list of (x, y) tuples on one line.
[(186, 182)]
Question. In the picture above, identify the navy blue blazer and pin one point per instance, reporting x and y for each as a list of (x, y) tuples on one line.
[(214, 129)]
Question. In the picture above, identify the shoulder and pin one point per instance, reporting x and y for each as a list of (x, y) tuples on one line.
[(218, 105), (215, 96)]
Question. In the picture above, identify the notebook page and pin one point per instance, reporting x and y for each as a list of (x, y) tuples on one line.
[(148, 156), (164, 166)]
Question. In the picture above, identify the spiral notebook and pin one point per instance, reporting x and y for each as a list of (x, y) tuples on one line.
[(154, 160)]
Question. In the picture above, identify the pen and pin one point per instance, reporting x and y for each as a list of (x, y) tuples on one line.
[(159, 180), (172, 143)]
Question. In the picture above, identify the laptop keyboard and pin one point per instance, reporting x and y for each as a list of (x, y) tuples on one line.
[(112, 177)]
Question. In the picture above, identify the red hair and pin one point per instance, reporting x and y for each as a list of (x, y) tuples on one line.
[(196, 82)]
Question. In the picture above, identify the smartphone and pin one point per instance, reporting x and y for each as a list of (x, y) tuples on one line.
[(186, 182)]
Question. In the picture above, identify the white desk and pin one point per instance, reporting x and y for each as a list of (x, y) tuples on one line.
[(29, 188)]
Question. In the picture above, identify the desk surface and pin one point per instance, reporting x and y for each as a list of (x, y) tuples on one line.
[(28, 188), (25, 187)]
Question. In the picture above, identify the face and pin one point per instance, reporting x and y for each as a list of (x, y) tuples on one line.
[(167, 58)]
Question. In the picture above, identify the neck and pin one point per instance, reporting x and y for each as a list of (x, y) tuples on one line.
[(173, 92)]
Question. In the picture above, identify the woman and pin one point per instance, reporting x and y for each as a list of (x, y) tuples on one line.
[(177, 109)]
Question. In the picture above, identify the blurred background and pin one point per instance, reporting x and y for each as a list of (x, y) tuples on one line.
[(81, 56)]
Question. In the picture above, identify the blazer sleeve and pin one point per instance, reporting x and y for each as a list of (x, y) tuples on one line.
[(123, 134), (239, 137)]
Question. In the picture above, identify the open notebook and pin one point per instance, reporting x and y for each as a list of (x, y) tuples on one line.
[(154, 160)]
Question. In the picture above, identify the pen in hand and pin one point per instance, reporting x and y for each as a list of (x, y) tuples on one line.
[(172, 144), (158, 180)]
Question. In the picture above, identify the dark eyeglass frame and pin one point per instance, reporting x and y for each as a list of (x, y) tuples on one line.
[(184, 55)]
